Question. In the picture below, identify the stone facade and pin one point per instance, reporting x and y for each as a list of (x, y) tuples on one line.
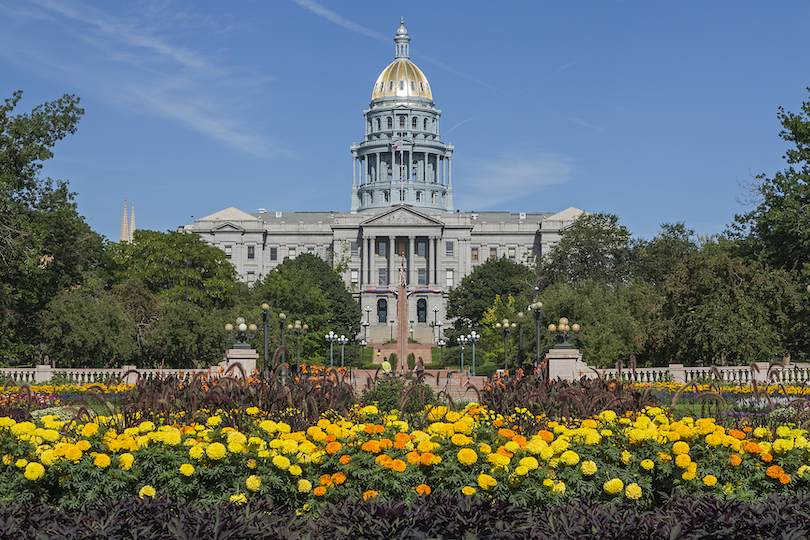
[(401, 217)]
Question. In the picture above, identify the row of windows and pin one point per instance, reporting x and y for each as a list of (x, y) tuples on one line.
[(493, 254), (382, 310), (389, 122), (402, 85)]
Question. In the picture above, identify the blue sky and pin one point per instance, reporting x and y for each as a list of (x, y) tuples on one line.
[(654, 111)]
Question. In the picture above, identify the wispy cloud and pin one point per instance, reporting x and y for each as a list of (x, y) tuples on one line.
[(509, 177), (454, 127), (582, 122), (566, 66), (132, 61), (330, 15)]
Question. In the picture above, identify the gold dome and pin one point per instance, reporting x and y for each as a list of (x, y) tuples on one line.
[(402, 79)]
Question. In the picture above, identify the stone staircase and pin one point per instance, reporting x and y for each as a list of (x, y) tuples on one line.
[(454, 383)]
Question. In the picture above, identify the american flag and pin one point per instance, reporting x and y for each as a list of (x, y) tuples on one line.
[(397, 146)]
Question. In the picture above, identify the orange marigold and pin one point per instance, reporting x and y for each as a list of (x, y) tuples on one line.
[(370, 494), (403, 438), (737, 434), (546, 435), (422, 489), (785, 478), (319, 491), (339, 478), (333, 447), (325, 479), (752, 448), (345, 459), (775, 471), (766, 457), (398, 465), (413, 457), (385, 443), (426, 459), (735, 459), (506, 433), (371, 446)]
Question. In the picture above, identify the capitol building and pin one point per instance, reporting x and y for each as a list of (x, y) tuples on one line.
[(401, 215)]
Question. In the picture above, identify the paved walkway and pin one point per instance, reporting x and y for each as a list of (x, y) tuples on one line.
[(452, 382)]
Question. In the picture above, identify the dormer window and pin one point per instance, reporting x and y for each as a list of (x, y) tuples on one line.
[(401, 84), (390, 85), (422, 86), (413, 86)]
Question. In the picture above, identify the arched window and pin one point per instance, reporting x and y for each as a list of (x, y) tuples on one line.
[(426, 124), (390, 123), (378, 124), (382, 310), (421, 310), (402, 120), (414, 121)]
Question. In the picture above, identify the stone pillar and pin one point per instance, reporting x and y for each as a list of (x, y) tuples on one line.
[(246, 357), (567, 364), (392, 240), (431, 255), (412, 262)]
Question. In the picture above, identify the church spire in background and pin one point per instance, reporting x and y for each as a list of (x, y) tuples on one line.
[(127, 224)]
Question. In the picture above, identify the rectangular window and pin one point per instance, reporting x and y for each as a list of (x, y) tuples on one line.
[(382, 249), (383, 276), (292, 252), (401, 248), (227, 250), (422, 276), (493, 254), (251, 252), (273, 254), (355, 277), (511, 254), (421, 248), (251, 278), (310, 249), (474, 254), (448, 278), (418, 196), (449, 249), (355, 249)]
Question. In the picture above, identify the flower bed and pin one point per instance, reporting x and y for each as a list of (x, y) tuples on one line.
[(639, 460)]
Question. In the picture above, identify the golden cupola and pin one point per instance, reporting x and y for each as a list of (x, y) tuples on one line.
[(401, 79)]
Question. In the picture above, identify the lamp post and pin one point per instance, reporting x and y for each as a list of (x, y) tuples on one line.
[(462, 340), (473, 337), (343, 340), (266, 321), (363, 351), (282, 319), (299, 330), (563, 332), (520, 338), (244, 332), (366, 323), (537, 309), (441, 345), (331, 337), (505, 328)]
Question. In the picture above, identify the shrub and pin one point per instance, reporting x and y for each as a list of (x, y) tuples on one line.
[(399, 393)]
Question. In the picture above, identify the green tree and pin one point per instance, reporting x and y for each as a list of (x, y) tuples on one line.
[(652, 260), (726, 310), (477, 291), (778, 225), (595, 247), (306, 288), (187, 337), (45, 245), (84, 330), (163, 260)]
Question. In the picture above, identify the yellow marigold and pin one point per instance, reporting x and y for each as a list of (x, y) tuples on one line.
[(627, 457), (370, 494), (761, 432), (459, 439), (236, 437), (253, 482), (21, 463), (304, 486), (422, 489), (633, 491), (239, 498), (89, 429), (588, 468), (125, 461), (680, 447), (146, 491), (683, 460), (34, 471), (216, 451), (558, 488), (186, 469), (530, 463), (281, 462), (468, 490), (613, 486), (569, 457), (709, 480), (47, 457), (802, 470), (647, 464), (688, 475), (102, 461), (252, 411), (467, 456), (84, 446), (521, 470), (214, 421), (72, 453), (486, 482), (196, 452), (607, 416), (145, 427)]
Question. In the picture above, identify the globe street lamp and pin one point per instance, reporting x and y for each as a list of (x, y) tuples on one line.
[(367, 322), (473, 337), (563, 332), (462, 340), (299, 330), (520, 338), (266, 321), (331, 337), (243, 333), (363, 351), (537, 309), (282, 319), (343, 340), (505, 328), (441, 345)]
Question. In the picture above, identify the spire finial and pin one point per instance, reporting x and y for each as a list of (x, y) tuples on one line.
[(402, 40), (124, 237)]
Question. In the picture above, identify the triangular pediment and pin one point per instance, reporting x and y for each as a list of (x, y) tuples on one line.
[(402, 215), (230, 214), (227, 226)]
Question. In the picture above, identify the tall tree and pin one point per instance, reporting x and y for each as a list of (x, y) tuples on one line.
[(45, 245), (778, 225), (164, 261), (477, 291), (594, 247), (652, 260)]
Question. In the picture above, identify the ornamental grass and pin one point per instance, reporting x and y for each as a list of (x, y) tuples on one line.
[(640, 459)]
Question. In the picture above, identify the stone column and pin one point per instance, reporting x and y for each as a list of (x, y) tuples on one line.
[(392, 240), (429, 278), (412, 262)]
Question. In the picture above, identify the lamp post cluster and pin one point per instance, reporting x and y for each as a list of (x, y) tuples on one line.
[(472, 338), (563, 332), (299, 330), (244, 332), (333, 338), (537, 309), (505, 328)]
